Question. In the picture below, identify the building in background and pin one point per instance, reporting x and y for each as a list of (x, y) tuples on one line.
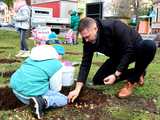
[(5, 13), (108, 9), (156, 17), (60, 8), (53, 13), (156, 8)]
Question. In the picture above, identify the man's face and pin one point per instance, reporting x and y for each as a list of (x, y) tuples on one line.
[(90, 34)]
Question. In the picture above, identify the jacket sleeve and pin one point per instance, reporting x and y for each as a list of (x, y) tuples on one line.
[(86, 63), (124, 39), (24, 16)]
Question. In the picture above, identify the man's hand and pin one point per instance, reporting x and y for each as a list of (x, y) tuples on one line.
[(109, 80), (75, 93)]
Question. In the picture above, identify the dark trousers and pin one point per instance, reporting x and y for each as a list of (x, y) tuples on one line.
[(22, 35), (145, 52)]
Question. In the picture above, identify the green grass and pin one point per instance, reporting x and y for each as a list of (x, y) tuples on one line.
[(119, 113), (9, 46)]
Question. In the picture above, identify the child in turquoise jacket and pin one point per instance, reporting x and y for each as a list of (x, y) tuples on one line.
[(31, 82)]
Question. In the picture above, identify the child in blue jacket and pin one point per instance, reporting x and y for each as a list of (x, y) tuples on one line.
[(31, 83)]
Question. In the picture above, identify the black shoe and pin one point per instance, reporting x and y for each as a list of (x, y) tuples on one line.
[(37, 105)]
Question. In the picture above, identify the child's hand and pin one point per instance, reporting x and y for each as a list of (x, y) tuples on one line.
[(73, 95)]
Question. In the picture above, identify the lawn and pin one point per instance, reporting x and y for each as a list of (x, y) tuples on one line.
[(94, 103)]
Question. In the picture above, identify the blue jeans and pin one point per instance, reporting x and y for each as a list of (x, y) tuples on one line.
[(53, 98), (22, 35)]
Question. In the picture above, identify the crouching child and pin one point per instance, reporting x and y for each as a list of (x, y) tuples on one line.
[(33, 82)]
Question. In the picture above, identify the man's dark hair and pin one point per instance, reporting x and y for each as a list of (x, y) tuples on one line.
[(85, 23)]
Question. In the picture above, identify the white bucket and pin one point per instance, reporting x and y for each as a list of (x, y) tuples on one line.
[(68, 76)]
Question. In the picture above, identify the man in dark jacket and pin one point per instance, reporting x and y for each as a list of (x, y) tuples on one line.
[(122, 45)]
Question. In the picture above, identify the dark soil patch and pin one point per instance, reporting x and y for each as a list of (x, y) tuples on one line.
[(7, 73), (91, 98), (90, 102), (88, 96), (9, 61), (74, 53), (8, 100), (6, 47), (2, 52)]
